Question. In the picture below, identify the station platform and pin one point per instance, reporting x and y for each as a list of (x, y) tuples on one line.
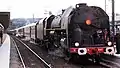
[(5, 52)]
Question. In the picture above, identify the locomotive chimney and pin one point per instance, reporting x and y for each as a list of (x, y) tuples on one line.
[(80, 5)]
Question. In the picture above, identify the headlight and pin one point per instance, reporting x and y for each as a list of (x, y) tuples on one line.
[(62, 39), (76, 44), (109, 43), (52, 32)]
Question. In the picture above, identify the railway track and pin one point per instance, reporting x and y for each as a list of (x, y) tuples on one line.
[(112, 61), (55, 63), (34, 61), (18, 51), (109, 64)]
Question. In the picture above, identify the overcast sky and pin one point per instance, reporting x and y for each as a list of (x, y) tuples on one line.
[(26, 8)]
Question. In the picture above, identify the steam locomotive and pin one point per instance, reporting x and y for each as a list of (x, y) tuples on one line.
[(83, 30)]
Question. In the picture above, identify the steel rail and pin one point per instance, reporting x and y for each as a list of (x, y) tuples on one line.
[(19, 53), (49, 65)]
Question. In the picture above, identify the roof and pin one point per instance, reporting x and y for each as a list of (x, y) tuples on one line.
[(33, 24), (5, 19)]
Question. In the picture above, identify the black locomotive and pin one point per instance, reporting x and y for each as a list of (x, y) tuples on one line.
[(83, 30)]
